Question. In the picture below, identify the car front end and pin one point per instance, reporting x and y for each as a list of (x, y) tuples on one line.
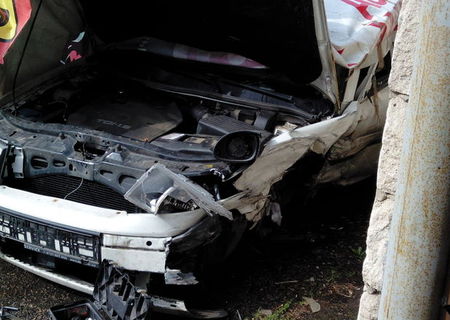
[(159, 140)]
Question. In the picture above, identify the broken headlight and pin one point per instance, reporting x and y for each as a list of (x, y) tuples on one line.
[(171, 200), (159, 190)]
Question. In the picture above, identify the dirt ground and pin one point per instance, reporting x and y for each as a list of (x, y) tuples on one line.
[(312, 265)]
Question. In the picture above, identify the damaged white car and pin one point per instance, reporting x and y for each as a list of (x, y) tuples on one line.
[(154, 135)]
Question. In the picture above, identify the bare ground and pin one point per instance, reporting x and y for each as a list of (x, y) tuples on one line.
[(318, 256)]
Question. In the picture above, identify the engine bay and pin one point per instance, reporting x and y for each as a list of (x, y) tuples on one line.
[(157, 104)]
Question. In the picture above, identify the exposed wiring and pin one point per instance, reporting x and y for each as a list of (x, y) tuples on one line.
[(83, 152), (74, 190), (14, 84)]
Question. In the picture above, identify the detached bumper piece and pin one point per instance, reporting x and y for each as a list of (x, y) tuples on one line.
[(116, 298)]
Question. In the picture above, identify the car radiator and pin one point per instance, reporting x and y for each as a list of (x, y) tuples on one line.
[(73, 189)]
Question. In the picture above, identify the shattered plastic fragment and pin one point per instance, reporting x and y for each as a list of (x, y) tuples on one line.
[(313, 304), (275, 213), (159, 190), (179, 278)]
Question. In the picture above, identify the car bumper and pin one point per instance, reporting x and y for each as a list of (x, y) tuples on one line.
[(87, 235)]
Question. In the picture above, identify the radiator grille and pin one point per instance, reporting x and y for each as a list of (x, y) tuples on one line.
[(60, 186)]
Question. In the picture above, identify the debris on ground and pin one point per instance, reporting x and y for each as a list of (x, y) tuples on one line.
[(313, 304)]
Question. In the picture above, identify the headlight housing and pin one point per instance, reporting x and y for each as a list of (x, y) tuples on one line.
[(159, 190)]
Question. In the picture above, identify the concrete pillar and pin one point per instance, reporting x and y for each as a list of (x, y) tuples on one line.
[(405, 50), (416, 261), (399, 84)]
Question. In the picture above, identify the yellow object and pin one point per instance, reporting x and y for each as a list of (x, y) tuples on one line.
[(8, 21)]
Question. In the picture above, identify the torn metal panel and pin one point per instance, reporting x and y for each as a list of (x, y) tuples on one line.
[(360, 166), (350, 89), (177, 277), (160, 186), (283, 151), (368, 129), (366, 83), (136, 253), (340, 137), (137, 260), (327, 81), (347, 147)]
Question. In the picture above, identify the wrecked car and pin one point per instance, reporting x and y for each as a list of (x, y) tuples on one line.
[(155, 135)]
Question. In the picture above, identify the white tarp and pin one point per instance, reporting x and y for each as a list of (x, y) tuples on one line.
[(361, 30)]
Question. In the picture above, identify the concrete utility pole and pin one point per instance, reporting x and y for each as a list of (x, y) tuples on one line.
[(418, 248)]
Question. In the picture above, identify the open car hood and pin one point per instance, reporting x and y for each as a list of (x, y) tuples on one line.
[(278, 34)]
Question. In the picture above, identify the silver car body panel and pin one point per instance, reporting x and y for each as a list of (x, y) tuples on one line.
[(327, 82), (360, 125)]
